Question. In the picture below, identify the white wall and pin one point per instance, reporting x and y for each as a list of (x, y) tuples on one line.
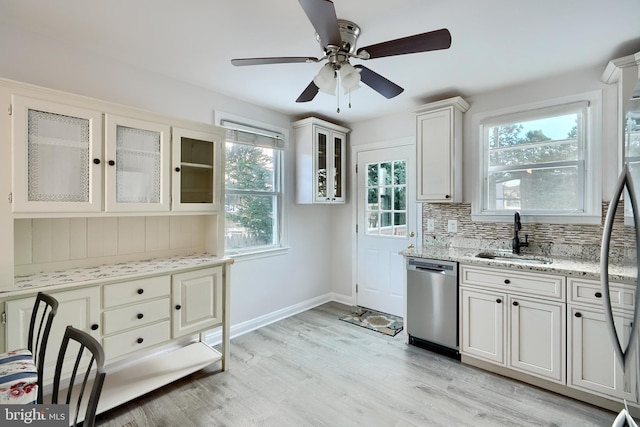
[(258, 287)]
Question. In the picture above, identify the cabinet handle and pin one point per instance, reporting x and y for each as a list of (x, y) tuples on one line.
[(112, 163), (94, 327), (96, 161), (507, 281), (177, 169), (578, 314), (140, 316), (178, 306), (140, 291), (598, 295), (515, 303), (140, 340), (499, 301)]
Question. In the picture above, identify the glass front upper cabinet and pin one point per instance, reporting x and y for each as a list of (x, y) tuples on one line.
[(329, 165), (196, 166), (57, 157), (137, 169)]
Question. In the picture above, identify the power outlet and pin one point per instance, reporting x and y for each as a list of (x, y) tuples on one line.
[(430, 224), (452, 226)]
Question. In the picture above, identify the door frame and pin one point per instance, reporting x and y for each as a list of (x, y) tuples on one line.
[(353, 161)]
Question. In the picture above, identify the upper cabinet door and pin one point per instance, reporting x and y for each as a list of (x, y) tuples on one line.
[(137, 159), (57, 157), (197, 170)]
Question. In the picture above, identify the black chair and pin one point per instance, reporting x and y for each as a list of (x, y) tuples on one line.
[(24, 367), (92, 380)]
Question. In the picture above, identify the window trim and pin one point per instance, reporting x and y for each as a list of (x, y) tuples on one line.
[(592, 196), (242, 124)]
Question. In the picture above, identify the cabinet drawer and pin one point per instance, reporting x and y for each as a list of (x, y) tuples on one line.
[(136, 290), (132, 316), (136, 339), (545, 285), (584, 291)]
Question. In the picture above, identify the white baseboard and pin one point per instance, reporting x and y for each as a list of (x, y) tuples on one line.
[(215, 337)]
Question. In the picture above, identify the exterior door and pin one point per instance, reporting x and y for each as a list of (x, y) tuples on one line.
[(386, 226)]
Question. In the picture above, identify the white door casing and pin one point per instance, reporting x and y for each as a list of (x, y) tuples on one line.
[(386, 225)]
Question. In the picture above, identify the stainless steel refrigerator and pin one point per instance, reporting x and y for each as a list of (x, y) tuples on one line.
[(628, 184)]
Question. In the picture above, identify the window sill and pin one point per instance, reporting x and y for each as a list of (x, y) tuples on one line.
[(584, 219), (240, 256)]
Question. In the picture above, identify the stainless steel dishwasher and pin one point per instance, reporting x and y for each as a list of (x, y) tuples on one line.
[(432, 305)]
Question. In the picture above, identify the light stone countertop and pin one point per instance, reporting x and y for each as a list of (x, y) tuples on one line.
[(564, 266), (118, 271)]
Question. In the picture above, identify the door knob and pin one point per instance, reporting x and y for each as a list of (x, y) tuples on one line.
[(412, 234)]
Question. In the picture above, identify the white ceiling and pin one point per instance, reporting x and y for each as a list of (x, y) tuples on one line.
[(495, 43)]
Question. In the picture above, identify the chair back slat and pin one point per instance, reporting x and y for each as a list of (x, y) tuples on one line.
[(44, 310)]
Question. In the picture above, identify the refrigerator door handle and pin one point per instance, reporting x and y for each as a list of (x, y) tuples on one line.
[(624, 355)]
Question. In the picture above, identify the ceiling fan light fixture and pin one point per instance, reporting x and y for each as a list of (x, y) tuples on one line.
[(349, 77), (326, 79)]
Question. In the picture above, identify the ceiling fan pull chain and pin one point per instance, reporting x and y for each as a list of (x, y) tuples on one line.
[(338, 100), (349, 98)]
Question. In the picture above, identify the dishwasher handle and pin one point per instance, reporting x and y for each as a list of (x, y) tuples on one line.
[(432, 270)]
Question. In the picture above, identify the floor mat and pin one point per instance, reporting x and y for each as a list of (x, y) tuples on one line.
[(384, 323)]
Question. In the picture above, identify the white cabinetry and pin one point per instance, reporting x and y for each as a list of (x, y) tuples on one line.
[(197, 300), (57, 157), (78, 307), (439, 150), (137, 165), (593, 363), (505, 319), (197, 169), (320, 161), (136, 315)]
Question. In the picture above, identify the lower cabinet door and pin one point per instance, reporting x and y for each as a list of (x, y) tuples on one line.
[(594, 365), (482, 324), (537, 338), (197, 300), (79, 308)]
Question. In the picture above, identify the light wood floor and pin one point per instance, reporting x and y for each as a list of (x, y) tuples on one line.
[(314, 370)]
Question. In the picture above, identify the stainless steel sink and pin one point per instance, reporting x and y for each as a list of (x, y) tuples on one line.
[(514, 258)]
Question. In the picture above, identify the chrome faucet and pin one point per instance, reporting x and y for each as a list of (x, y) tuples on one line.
[(516, 244)]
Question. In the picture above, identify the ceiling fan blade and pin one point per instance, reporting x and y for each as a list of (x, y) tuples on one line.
[(433, 40), (309, 93), (375, 81), (322, 15), (275, 60)]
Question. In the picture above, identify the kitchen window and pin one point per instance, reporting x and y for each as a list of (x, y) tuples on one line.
[(543, 162), (253, 188)]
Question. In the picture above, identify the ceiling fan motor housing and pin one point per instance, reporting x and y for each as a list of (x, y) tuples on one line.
[(349, 33)]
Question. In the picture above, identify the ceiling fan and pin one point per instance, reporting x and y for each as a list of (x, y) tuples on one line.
[(338, 38)]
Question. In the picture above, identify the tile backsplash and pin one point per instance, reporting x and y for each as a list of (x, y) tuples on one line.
[(559, 240)]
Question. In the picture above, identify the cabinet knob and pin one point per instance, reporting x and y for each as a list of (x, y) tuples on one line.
[(178, 306), (140, 291), (446, 196), (499, 301), (140, 316), (96, 161), (94, 327), (139, 340), (177, 169), (112, 163), (515, 303), (598, 295), (507, 281), (578, 314)]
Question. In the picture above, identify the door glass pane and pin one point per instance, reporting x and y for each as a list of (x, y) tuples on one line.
[(58, 157), (321, 162), (337, 163), (196, 171), (387, 198), (138, 165)]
